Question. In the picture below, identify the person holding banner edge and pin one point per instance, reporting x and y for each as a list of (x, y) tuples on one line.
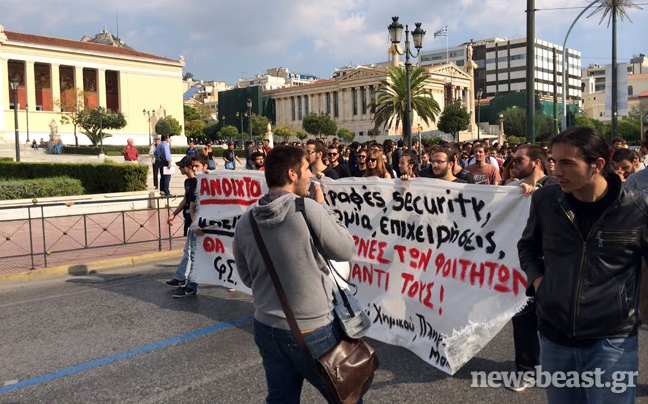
[(303, 274)]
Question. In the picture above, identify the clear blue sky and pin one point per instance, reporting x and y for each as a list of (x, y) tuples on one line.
[(225, 40)]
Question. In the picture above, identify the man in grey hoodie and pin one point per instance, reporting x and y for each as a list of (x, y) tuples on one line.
[(302, 272)]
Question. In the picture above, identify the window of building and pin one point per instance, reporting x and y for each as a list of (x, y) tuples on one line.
[(17, 70), (630, 91), (306, 105), (361, 133), (90, 88), (354, 100), (328, 104), (299, 108), (292, 108), (363, 92), (372, 96), (112, 90), (68, 88), (43, 87)]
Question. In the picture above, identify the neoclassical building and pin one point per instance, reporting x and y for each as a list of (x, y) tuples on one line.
[(51, 71), (347, 99)]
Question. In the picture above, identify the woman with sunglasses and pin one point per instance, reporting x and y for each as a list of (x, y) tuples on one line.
[(376, 165)]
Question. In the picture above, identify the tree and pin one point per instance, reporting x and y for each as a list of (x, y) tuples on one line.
[(346, 135), (71, 102), (319, 125), (229, 132), (301, 135), (544, 127), (211, 131), (391, 99), (93, 122), (190, 113), (187, 76), (194, 128), (259, 126), (168, 126), (514, 122), (284, 133), (454, 119)]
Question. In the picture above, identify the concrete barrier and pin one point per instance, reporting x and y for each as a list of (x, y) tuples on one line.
[(20, 209)]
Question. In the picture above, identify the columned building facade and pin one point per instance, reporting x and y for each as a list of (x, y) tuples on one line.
[(347, 100), (52, 73)]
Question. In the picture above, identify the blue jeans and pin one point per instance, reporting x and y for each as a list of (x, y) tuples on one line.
[(605, 356), (286, 366), (164, 184), (185, 268)]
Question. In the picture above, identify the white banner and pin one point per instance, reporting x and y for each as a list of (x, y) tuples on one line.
[(435, 263)]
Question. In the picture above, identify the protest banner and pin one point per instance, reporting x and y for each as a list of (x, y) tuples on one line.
[(435, 263)]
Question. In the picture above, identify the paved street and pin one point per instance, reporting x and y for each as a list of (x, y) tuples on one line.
[(119, 336)]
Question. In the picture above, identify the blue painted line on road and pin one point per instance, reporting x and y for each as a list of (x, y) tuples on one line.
[(124, 355)]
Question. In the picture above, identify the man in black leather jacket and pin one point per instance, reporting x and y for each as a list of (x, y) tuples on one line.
[(582, 251)]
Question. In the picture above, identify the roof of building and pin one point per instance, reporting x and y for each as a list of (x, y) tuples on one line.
[(644, 94), (78, 45), (190, 93), (638, 76)]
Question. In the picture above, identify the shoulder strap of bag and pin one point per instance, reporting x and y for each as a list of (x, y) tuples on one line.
[(300, 205), (290, 317)]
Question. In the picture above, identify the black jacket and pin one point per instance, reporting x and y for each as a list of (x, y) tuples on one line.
[(590, 288)]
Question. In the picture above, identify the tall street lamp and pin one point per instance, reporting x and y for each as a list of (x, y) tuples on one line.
[(479, 95), (249, 112), (14, 87), (100, 110), (27, 118), (149, 113), (240, 116), (395, 34)]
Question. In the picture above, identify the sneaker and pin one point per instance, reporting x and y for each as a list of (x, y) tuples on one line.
[(231, 290), (174, 283), (184, 292), (526, 382)]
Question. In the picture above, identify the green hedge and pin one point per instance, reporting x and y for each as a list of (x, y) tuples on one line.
[(113, 150), (40, 188), (95, 178), (6, 159)]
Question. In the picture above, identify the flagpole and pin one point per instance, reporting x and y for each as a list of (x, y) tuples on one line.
[(447, 52)]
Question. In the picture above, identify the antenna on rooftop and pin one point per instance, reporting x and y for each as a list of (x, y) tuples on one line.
[(117, 16)]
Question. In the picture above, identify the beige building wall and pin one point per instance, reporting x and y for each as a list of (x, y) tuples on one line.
[(594, 102), (145, 82)]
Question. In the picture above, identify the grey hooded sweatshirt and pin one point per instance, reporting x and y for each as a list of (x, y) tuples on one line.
[(301, 269)]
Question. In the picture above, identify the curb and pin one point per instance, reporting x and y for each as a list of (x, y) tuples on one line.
[(90, 267)]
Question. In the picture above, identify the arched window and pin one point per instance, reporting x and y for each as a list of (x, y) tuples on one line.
[(630, 91)]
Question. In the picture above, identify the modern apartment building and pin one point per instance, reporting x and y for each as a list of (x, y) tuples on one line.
[(501, 65), (278, 77)]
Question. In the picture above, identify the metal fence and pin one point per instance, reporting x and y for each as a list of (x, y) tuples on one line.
[(42, 235)]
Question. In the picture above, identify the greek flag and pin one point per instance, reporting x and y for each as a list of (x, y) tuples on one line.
[(442, 32)]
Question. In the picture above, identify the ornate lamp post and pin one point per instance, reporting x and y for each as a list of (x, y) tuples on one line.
[(149, 114), (479, 95), (240, 116), (249, 112), (395, 34), (27, 118), (14, 86), (101, 110)]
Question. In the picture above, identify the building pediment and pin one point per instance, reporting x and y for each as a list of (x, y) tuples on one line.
[(363, 73), (448, 69)]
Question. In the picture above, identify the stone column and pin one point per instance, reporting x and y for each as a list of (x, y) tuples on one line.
[(78, 77), (55, 83), (30, 84), (4, 96), (101, 87)]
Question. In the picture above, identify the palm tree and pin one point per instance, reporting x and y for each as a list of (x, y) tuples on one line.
[(391, 99)]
